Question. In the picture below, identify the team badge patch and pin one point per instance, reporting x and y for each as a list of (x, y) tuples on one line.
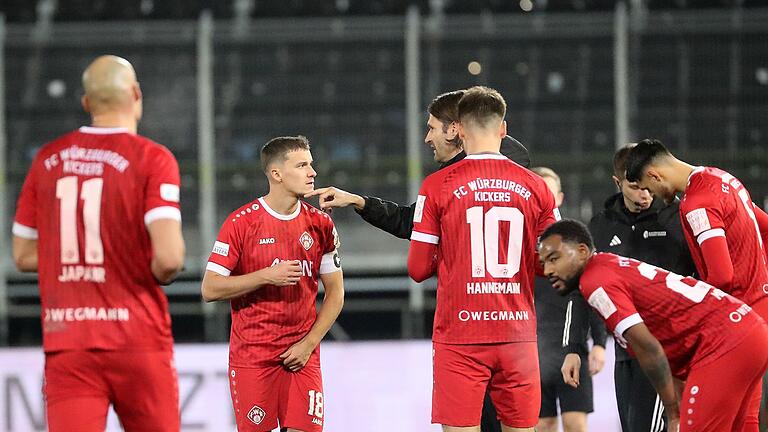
[(600, 301), (306, 240), (698, 220), (256, 415)]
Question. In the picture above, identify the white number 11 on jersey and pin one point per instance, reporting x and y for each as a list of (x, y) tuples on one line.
[(90, 193), (484, 239)]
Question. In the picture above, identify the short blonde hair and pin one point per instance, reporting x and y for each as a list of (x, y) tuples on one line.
[(545, 172)]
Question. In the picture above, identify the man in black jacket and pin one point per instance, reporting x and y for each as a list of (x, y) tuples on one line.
[(443, 138), (551, 318), (635, 225)]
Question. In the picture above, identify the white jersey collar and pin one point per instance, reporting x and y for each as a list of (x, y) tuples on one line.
[(103, 130), (486, 156), (277, 215)]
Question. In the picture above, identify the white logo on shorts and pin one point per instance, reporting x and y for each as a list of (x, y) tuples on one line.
[(256, 415)]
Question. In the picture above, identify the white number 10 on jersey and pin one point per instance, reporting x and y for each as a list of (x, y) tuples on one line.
[(484, 235)]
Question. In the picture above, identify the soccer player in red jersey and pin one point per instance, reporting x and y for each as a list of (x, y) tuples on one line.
[(266, 261), (476, 224), (676, 327), (725, 230), (98, 218)]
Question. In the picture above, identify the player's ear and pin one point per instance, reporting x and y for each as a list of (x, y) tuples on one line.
[(137, 95), (275, 175), (617, 182), (85, 104), (462, 133), (653, 174), (453, 130), (503, 129)]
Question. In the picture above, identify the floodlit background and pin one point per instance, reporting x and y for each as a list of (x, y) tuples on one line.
[(220, 77)]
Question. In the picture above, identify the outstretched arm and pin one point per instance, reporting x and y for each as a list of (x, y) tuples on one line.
[(386, 215)]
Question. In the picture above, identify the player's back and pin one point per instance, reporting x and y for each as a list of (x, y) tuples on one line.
[(716, 200), (491, 213), (267, 321), (693, 321), (90, 195)]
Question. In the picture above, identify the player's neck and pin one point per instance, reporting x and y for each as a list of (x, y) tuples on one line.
[(682, 172), (282, 202), (114, 120), (487, 145)]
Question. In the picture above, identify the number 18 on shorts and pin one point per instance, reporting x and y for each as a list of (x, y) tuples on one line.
[(265, 397)]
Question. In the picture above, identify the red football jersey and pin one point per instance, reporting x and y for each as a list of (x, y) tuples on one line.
[(694, 322), (267, 321), (716, 204), (485, 214), (87, 199)]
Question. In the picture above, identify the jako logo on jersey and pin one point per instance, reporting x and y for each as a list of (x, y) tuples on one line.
[(269, 240), (306, 240), (256, 415), (221, 248)]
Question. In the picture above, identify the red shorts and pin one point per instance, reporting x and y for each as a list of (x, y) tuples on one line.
[(462, 373), (264, 397), (142, 387), (725, 395)]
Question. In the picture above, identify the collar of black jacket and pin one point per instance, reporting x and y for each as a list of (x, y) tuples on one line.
[(510, 147), (615, 204)]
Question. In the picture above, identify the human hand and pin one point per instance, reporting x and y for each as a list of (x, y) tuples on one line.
[(295, 357), (331, 197), (283, 273), (570, 369), (596, 359)]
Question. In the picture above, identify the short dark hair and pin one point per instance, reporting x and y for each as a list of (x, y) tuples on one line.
[(571, 231), (620, 161), (445, 107), (279, 147), (480, 105), (643, 154)]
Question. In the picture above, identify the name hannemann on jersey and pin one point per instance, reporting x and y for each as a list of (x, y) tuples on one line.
[(493, 288)]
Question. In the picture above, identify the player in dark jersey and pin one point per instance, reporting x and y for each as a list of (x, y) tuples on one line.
[(552, 314), (267, 260), (98, 218), (675, 326), (475, 225)]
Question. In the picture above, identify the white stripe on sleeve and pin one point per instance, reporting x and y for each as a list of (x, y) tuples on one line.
[(706, 235), (425, 238), (24, 231), (217, 268), (164, 212)]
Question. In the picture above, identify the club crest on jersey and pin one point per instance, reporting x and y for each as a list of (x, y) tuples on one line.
[(306, 240), (256, 415)]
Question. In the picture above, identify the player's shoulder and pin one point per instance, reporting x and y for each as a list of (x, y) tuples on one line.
[(246, 215), (315, 215)]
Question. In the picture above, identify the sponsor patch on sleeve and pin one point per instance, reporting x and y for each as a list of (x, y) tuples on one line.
[(169, 192), (600, 301), (556, 211), (419, 211), (698, 220), (221, 248), (336, 240)]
